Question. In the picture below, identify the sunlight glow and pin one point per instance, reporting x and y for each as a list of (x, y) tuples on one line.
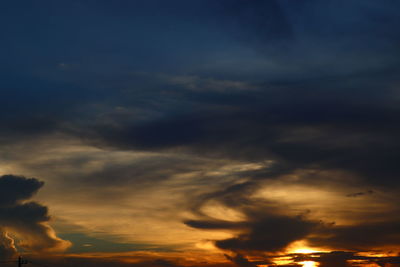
[(309, 263), (304, 250), (302, 247)]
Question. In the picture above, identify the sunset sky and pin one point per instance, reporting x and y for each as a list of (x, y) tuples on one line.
[(200, 133)]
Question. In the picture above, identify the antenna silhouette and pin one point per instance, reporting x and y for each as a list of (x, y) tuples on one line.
[(21, 261)]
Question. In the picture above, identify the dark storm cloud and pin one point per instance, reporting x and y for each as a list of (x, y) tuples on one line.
[(24, 219), (335, 258), (271, 233), (263, 230), (15, 189), (359, 237)]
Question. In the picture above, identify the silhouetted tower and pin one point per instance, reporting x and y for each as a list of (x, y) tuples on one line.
[(21, 261)]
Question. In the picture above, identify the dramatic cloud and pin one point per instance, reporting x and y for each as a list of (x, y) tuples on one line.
[(268, 234), (26, 220), (268, 226)]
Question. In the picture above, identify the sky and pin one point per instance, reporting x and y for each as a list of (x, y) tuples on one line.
[(202, 133)]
